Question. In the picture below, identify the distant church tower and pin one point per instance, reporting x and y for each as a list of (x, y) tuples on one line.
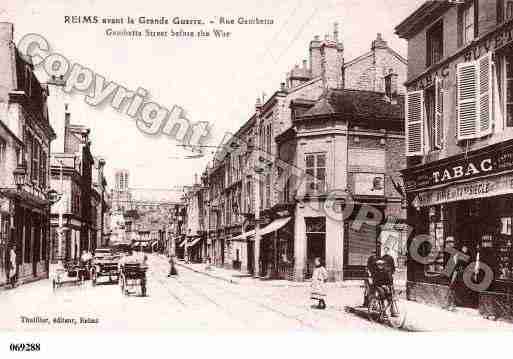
[(122, 180), (121, 200)]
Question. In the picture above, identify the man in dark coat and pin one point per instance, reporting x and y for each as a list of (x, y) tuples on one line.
[(389, 262), (456, 278), (172, 266), (368, 282)]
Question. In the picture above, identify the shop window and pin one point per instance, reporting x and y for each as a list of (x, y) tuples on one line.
[(28, 238), (436, 232), (434, 50)]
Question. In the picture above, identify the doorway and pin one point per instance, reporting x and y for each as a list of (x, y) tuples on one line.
[(315, 242), (315, 247), (251, 257)]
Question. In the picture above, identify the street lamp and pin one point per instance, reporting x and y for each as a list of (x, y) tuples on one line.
[(19, 176)]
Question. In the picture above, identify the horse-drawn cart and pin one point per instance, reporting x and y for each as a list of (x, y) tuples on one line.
[(70, 273), (133, 275)]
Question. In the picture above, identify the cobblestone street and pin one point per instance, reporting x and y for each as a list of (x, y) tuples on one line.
[(195, 301)]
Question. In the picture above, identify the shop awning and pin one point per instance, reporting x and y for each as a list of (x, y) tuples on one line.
[(194, 242), (271, 227), (243, 236), (274, 225)]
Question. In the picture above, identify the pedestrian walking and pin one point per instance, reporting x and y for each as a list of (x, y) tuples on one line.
[(319, 278), (172, 266), (12, 266), (456, 279)]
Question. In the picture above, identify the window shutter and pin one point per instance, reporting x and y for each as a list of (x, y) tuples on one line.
[(415, 123), (439, 113), (468, 115), (485, 94)]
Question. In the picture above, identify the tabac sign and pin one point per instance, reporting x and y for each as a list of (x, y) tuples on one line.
[(494, 159)]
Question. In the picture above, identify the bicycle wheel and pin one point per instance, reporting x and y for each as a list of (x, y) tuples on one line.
[(375, 309), (399, 319)]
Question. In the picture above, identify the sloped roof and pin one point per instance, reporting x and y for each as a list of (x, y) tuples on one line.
[(357, 104)]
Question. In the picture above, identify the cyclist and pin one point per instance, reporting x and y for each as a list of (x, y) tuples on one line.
[(383, 284), (368, 282)]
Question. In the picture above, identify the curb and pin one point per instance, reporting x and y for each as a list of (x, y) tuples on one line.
[(21, 283), (232, 281)]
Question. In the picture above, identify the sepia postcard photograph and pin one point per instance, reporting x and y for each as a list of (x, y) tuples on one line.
[(254, 168)]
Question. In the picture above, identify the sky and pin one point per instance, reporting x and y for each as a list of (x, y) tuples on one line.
[(214, 80)]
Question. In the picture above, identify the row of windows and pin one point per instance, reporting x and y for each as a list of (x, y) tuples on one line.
[(467, 28), (36, 160), (484, 104)]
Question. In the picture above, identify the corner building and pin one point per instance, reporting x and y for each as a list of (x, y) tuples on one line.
[(459, 134)]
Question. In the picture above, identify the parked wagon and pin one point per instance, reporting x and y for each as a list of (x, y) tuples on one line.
[(105, 265), (70, 274), (133, 278)]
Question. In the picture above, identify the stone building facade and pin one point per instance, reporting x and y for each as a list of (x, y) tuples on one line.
[(256, 222), (25, 137), (459, 145)]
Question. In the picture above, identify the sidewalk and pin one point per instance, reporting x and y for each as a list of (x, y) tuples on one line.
[(237, 277), (419, 316)]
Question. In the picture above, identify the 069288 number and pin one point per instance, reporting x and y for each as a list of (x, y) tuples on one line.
[(25, 347)]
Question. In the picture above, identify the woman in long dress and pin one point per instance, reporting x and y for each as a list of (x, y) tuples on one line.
[(319, 278), (12, 267)]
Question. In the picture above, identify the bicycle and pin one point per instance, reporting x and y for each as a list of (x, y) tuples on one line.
[(380, 310)]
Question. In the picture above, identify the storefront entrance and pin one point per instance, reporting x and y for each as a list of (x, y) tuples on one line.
[(315, 243), (251, 257), (315, 247)]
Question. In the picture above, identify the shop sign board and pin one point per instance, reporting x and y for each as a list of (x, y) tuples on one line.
[(473, 166), (495, 186), (369, 184)]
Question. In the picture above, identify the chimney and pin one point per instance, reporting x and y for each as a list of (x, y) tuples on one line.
[(258, 106), (332, 61), (315, 57), (335, 32), (67, 115), (195, 178), (379, 43)]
